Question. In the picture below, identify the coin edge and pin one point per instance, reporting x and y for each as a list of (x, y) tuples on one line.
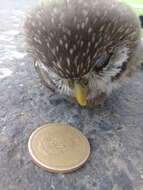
[(54, 169)]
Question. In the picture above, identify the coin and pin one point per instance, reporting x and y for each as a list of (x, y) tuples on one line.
[(58, 148)]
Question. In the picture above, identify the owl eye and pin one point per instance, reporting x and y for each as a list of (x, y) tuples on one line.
[(102, 62)]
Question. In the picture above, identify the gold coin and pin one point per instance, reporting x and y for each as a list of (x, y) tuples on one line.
[(58, 148)]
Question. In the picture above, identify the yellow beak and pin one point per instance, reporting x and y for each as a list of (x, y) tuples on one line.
[(81, 91)]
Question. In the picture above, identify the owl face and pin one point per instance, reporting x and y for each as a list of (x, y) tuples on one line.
[(101, 79), (84, 47)]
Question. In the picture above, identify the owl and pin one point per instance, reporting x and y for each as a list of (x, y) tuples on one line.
[(83, 49)]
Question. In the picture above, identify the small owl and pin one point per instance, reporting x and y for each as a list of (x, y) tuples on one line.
[(83, 49)]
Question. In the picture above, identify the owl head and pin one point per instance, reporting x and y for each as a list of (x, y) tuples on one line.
[(84, 48)]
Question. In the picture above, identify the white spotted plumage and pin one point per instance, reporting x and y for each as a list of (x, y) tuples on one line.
[(69, 39)]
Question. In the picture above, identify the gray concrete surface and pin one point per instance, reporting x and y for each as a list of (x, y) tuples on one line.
[(114, 128)]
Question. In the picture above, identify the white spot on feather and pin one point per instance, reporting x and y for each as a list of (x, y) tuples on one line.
[(53, 51), (76, 59), (66, 46), (65, 37), (101, 29), (59, 25), (59, 65), (74, 47), (67, 71), (57, 48), (55, 10), (76, 36), (78, 26), (89, 44), (48, 45), (61, 42), (33, 24), (69, 32), (38, 16), (84, 54), (96, 44), (75, 19), (60, 59), (51, 34), (52, 20), (68, 61), (87, 51), (93, 38), (37, 40), (78, 69), (81, 43), (85, 12), (83, 25), (54, 63), (71, 51), (38, 31), (86, 20), (40, 23), (89, 30)]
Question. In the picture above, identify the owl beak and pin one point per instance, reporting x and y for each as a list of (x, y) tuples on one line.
[(80, 91)]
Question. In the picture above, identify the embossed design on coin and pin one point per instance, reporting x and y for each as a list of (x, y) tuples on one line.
[(58, 148)]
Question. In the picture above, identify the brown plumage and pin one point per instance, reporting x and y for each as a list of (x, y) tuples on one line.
[(93, 42)]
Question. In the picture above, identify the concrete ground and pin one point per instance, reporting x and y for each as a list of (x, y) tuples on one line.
[(114, 128)]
